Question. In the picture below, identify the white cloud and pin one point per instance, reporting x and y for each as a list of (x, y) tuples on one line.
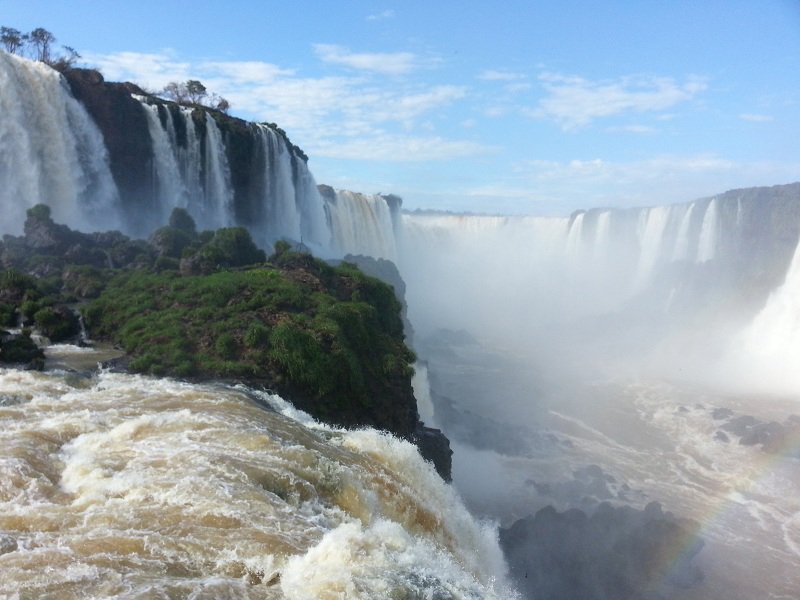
[(386, 14), (385, 63), (574, 102), (402, 149), (330, 116), (559, 187), (755, 118), (246, 71), (150, 70)]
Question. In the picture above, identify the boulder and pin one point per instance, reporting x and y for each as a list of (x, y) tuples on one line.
[(435, 447)]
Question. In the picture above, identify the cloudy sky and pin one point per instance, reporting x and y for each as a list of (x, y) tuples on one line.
[(519, 106)]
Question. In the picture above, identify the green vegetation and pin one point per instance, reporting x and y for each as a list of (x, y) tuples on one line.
[(210, 305), (328, 334)]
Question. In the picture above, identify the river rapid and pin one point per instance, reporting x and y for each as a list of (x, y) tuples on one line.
[(118, 486)]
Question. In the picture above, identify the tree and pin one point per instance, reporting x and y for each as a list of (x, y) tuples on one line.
[(219, 103), (66, 60), (195, 91), (175, 91), (181, 219), (12, 39), (42, 41)]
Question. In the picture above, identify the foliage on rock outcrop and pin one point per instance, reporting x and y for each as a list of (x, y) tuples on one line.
[(330, 338), (210, 305)]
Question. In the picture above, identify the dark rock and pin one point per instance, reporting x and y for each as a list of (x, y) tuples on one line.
[(721, 437), (117, 365), (170, 241), (615, 553), (740, 425), (762, 434), (57, 323), (43, 234), (719, 414), (435, 447), (122, 121), (20, 349)]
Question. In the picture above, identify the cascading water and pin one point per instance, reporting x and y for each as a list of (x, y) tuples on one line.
[(122, 486), (682, 248), (362, 224), (663, 264), (579, 361), (653, 224), (768, 349), (707, 245), (50, 151), (170, 191), (217, 202)]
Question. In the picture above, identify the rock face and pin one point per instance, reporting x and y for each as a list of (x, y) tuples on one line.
[(122, 122), (434, 446), (614, 554), (253, 170), (772, 437), (20, 349)]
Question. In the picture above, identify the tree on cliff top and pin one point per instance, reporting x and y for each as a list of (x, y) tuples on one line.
[(42, 41), (12, 39), (38, 45), (193, 91)]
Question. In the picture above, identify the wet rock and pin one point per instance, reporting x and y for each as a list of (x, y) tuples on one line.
[(720, 414), (740, 425), (435, 447), (614, 553), (762, 434), (20, 349)]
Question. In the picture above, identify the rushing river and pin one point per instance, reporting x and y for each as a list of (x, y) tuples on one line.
[(131, 487)]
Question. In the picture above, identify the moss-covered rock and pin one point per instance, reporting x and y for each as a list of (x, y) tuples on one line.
[(57, 323), (20, 349), (331, 339)]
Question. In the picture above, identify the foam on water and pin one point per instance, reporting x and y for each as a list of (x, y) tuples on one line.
[(132, 487)]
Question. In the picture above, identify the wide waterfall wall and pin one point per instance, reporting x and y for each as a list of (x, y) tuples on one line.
[(682, 280), (50, 151), (107, 155), (273, 193)]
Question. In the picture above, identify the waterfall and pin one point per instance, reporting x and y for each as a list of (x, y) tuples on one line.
[(653, 224), (707, 245), (217, 201), (169, 189), (769, 346), (681, 251), (575, 235), (50, 151), (362, 224)]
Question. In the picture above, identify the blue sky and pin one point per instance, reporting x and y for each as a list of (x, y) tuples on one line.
[(532, 107)]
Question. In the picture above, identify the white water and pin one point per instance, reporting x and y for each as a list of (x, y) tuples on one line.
[(706, 249), (769, 348), (121, 486), (217, 207), (610, 340), (362, 224), (50, 151)]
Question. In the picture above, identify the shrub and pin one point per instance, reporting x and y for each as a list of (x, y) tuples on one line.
[(181, 220)]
